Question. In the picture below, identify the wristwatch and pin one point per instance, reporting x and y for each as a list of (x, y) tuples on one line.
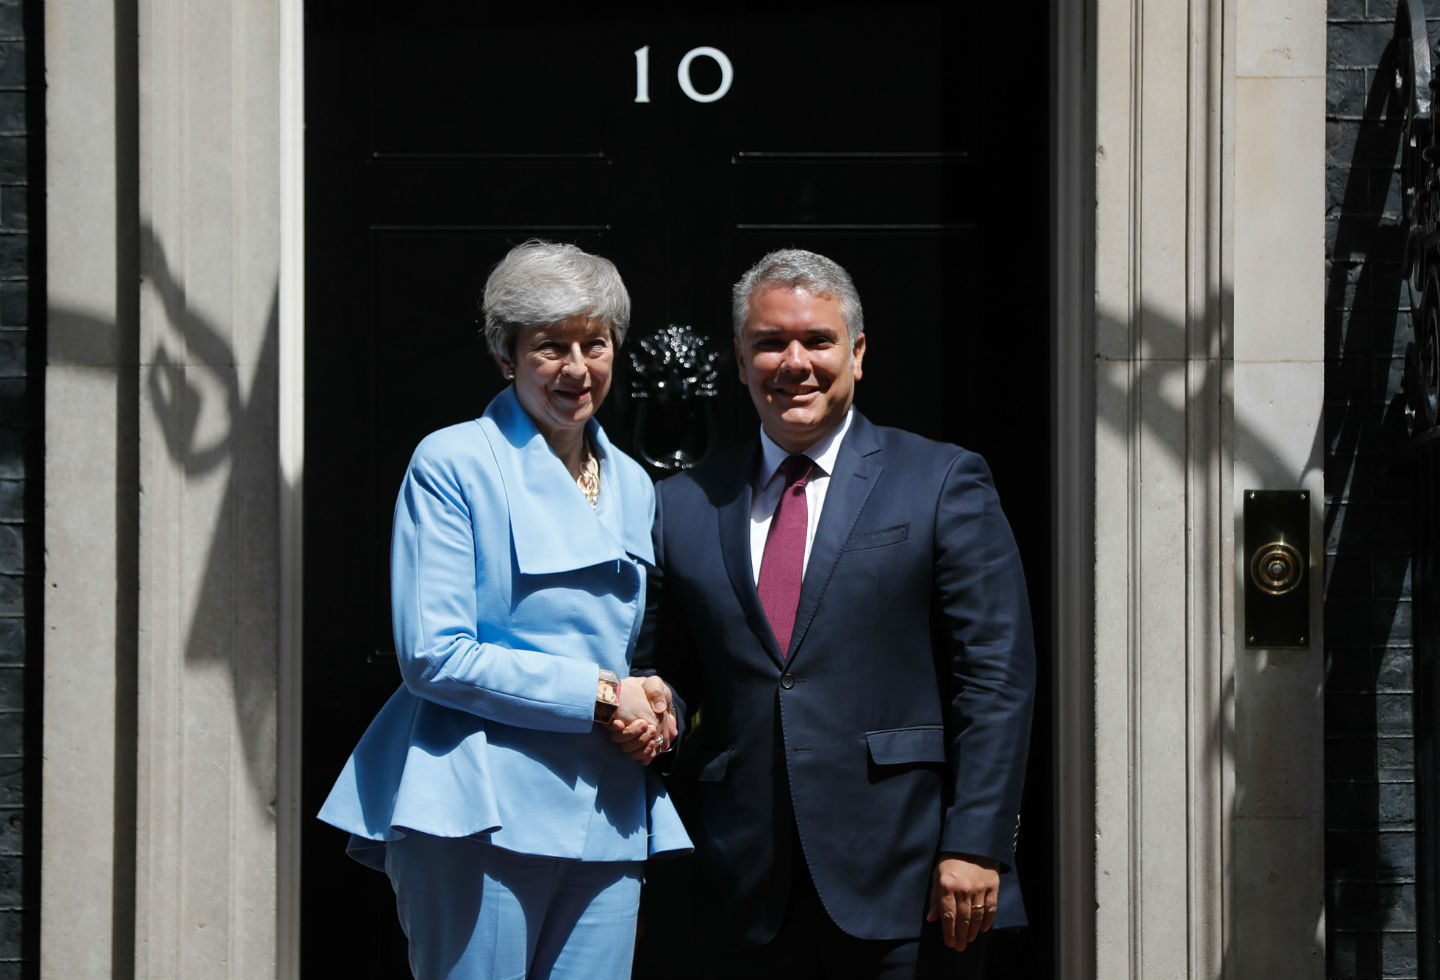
[(607, 697)]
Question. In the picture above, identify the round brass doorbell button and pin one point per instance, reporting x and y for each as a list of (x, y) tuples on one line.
[(1276, 568)]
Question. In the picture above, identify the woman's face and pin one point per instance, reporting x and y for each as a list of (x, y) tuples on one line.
[(562, 372)]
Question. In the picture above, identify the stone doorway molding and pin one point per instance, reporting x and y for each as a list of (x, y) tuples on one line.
[(1208, 379)]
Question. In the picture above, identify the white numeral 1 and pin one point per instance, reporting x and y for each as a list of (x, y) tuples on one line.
[(642, 74)]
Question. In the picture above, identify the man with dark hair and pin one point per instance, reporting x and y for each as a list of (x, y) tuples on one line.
[(843, 605)]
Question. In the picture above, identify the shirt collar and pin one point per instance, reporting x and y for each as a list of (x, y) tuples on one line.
[(823, 453)]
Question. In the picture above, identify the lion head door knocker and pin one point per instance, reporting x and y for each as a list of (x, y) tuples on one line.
[(675, 378)]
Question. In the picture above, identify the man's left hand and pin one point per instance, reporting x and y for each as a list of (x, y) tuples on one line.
[(963, 895)]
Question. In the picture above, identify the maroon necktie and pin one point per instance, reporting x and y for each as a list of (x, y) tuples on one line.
[(783, 565)]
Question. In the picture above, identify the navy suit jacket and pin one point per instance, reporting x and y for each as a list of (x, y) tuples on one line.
[(894, 728)]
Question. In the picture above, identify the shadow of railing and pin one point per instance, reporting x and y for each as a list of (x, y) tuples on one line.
[(1171, 426), (211, 424), (235, 614)]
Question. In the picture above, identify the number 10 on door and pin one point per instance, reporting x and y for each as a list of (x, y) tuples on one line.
[(682, 74)]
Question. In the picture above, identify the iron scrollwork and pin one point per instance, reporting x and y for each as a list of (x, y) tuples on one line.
[(675, 378), (1420, 183)]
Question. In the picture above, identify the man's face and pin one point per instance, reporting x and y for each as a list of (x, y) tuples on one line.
[(796, 358)]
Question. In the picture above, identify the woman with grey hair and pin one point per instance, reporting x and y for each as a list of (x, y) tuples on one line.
[(512, 826)]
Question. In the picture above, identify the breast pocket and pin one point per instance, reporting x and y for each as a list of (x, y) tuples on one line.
[(878, 539)]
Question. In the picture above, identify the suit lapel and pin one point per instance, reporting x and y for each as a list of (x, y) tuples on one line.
[(857, 469), (734, 530)]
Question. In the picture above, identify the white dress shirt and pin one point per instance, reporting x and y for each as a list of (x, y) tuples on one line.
[(770, 483)]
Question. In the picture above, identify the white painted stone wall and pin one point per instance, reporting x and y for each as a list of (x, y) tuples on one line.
[(89, 488), (160, 779), (1209, 257), (209, 588), (1279, 166)]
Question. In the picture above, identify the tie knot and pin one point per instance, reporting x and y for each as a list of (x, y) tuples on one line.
[(797, 469)]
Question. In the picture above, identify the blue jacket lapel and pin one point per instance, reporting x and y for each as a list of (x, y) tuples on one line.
[(553, 528)]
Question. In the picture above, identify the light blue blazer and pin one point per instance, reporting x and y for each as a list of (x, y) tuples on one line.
[(509, 595)]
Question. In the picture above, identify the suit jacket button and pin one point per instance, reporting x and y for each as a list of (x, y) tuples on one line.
[(787, 681)]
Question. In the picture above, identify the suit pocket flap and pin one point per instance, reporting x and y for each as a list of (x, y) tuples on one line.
[(712, 770), (901, 745), (878, 539)]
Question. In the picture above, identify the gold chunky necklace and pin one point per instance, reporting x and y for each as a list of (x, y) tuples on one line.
[(589, 479)]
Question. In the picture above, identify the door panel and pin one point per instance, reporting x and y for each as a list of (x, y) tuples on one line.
[(900, 141)]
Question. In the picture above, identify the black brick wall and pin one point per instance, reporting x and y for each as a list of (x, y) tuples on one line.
[(21, 463), (1370, 510)]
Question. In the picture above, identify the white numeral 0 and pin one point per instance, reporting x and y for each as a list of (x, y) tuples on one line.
[(727, 74), (682, 74)]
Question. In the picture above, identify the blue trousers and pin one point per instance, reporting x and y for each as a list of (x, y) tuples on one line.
[(472, 910)]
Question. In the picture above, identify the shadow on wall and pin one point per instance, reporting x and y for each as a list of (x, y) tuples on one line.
[(1156, 405), (235, 617), (213, 428), (1369, 526)]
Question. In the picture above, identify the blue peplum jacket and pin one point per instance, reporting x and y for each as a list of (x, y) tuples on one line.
[(509, 595)]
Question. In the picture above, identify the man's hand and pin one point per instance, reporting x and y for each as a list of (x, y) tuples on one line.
[(659, 693), (963, 896), (644, 725)]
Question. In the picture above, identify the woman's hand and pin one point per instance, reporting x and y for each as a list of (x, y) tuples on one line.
[(644, 726)]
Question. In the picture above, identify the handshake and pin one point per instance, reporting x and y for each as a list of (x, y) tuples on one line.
[(642, 723)]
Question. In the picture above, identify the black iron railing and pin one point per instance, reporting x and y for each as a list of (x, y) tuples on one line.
[(1420, 182)]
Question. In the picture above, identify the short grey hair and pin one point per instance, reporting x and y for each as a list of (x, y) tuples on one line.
[(541, 283), (796, 268)]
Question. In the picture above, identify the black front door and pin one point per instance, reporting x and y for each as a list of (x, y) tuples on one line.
[(906, 141)]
